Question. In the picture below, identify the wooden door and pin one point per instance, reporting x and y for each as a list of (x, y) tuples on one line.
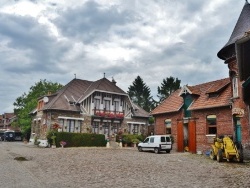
[(192, 136), (180, 136)]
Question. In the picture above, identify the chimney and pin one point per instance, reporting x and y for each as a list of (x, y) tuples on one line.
[(113, 81)]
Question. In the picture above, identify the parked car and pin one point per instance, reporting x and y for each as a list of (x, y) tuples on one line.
[(9, 135), (18, 136), (1, 135), (156, 143)]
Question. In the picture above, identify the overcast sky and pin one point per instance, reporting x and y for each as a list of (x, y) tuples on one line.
[(155, 39)]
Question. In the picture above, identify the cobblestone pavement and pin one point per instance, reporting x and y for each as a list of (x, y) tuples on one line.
[(114, 167)]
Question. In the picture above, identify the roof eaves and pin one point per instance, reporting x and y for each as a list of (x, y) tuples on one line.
[(208, 107)]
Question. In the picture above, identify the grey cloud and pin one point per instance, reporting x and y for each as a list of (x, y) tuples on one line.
[(90, 22), (33, 41)]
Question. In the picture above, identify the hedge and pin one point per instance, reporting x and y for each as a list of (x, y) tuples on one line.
[(77, 139)]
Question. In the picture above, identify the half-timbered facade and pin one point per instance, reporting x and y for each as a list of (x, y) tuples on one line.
[(83, 106)]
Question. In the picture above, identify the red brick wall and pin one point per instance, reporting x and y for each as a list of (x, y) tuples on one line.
[(239, 103), (224, 125), (203, 142), (160, 127)]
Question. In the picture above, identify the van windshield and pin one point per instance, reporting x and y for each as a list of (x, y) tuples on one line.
[(146, 140)]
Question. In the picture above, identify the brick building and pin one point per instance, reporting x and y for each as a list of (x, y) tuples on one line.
[(6, 120), (239, 72), (194, 115), (83, 106)]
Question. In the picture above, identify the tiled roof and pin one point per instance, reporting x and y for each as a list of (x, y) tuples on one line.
[(171, 104), (77, 90), (222, 90), (9, 115), (70, 92), (139, 112), (242, 26), (202, 100)]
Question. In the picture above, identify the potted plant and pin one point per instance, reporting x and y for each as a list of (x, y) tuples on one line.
[(125, 140), (53, 138), (135, 141), (63, 143)]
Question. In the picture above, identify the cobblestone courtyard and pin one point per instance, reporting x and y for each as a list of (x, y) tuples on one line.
[(107, 167)]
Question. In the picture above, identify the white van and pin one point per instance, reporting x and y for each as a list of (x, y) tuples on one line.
[(156, 143)]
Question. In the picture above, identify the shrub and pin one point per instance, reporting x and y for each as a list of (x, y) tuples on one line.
[(78, 139)]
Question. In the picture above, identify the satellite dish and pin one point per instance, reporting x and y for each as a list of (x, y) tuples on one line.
[(45, 99)]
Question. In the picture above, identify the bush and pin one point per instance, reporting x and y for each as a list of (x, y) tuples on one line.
[(130, 138), (77, 139)]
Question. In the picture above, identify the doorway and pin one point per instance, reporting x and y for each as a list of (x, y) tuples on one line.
[(186, 135)]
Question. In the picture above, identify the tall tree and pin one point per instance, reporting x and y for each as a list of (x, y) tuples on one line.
[(28, 102), (140, 94), (168, 86)]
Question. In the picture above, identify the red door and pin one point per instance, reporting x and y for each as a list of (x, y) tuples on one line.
[(180, 136), (192, 135)]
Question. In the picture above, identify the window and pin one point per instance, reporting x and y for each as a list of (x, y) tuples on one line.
[(146, 140), (61, 122), (107, 104), (72, 125), (95, 127), (163, 139), (107, 95), (97, 103), (151, 140), (40, 105), (168, 126), (211, 124), (135, 129), (106, 128), (116, 106), (97, 94), (235, 86), (114, 128)]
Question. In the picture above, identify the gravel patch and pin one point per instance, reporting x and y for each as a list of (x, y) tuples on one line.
[(124, 167)]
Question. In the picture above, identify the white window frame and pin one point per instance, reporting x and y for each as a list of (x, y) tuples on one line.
[(97, 103), (107, 105)]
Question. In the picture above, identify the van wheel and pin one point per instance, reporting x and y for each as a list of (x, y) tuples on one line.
[(167, 151), (156, 150), (140, 149)]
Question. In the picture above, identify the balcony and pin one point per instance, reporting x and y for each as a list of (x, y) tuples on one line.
[(108, 114)]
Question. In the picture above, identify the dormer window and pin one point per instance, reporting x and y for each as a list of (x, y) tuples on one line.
[(213, 95), (72, 103), (40, 104)]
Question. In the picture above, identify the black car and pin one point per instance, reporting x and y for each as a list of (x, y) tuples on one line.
[(9, 136)]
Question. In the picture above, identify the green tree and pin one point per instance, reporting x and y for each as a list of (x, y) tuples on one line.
[(168, 86), (140, 94), (28, 102)]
